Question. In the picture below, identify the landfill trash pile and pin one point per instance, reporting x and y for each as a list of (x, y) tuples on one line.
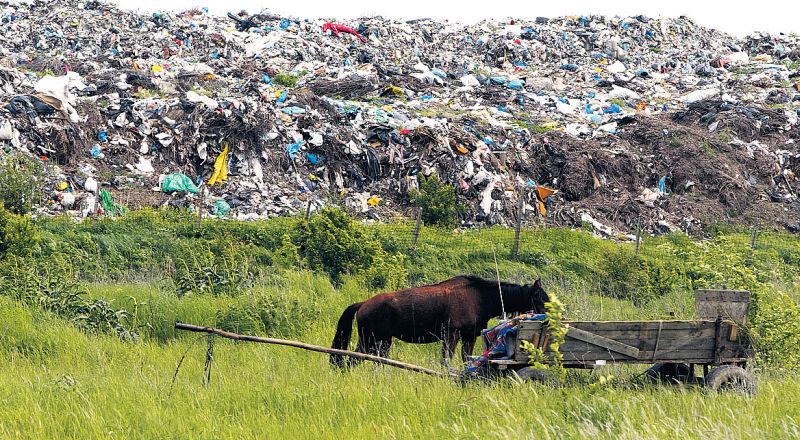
[(252, 116)]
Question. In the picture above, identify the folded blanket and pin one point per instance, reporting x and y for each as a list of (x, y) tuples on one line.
[(500, 339)]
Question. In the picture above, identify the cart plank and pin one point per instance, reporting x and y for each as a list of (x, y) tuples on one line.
[(603, 342)]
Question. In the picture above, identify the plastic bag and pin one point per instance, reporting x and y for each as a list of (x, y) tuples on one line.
[(178, 182), (221, 208)]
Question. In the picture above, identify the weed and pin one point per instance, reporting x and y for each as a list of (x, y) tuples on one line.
[(437, 200), (285, 79), (20, 180)]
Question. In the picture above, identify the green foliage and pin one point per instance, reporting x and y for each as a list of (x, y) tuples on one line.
[(332, 242), (776, 329), (221, 268), (619, 101), (20, 180), (18, 235), (437, 200), (55, 289), (274, 315), (285, 79), (287, 255), (624, 274), (555, 327)]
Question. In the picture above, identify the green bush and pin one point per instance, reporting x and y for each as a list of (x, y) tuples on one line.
[(776, 329), (53, 287), (437, 200), (18, 235), (20, 182), (285, 79), (625, 276), (332, 242)]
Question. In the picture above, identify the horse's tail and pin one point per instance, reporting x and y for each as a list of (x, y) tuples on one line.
[(342, 337)]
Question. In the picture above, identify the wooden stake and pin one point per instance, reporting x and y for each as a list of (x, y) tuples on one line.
[(753, 238), (200, 208), (638, 234), (308, 208), (209, 360), (416, 229), (518, 225), (310, 347)]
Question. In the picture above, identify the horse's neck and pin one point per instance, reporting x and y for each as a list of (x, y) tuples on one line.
[(495, 305), (514, 298)]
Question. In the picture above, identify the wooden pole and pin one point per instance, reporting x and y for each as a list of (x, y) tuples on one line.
[(200, 208), (308, 208), (416, 229), (753, 238), (304, 346), (518, 225), (638, 234)]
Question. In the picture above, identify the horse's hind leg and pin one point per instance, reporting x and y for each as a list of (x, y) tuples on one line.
[(449, 342), (467, 344), (370, 343)]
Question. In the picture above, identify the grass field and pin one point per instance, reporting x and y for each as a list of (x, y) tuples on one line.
[(58, 381)]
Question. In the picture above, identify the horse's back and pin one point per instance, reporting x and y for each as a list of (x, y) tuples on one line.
[(419, 314)]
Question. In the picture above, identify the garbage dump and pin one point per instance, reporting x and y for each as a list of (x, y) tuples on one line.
[(630, 119)]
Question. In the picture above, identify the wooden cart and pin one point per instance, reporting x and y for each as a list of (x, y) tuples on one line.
[(715, 341)]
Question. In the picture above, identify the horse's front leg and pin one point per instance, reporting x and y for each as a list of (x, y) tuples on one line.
[(467, 345)]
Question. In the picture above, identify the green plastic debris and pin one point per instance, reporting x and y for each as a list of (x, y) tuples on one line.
[(221, 208), (178, 182), (109, 206)]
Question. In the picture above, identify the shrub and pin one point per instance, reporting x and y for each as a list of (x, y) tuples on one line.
[(437, 200), (20, 180), (18, 235), (285, 79), (624, 275), (54, 288), (332, 242)]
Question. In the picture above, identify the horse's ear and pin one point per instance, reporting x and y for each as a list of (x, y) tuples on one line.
[(538, 283)]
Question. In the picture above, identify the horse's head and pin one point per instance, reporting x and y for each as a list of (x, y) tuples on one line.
[(537, 296)]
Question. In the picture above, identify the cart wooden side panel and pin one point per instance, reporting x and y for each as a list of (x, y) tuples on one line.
[(588, 342)]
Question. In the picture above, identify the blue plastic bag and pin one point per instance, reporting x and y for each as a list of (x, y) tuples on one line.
[(293, 149), (516, 84)]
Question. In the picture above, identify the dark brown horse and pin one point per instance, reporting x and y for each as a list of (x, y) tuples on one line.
[(453, 310)]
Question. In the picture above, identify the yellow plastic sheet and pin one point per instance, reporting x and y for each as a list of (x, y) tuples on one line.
[(542, 193), (220, 168)]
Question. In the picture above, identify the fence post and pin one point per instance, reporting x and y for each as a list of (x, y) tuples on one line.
[(753, 238), (518, 225), (416, 229), (638, 234), (308, 208), (209, 359), (200, 208)]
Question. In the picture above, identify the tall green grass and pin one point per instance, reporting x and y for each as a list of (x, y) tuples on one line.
[(59, 382)]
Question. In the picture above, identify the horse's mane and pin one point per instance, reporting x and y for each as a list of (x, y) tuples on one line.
[(488, 284)]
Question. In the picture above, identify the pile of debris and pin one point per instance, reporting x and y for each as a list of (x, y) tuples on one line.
[(630, 119)]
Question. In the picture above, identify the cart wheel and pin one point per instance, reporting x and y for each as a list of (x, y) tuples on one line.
[(731, 378), (669, 373), (535, 375)]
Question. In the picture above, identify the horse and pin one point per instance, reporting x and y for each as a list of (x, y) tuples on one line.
[(453, 310)]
